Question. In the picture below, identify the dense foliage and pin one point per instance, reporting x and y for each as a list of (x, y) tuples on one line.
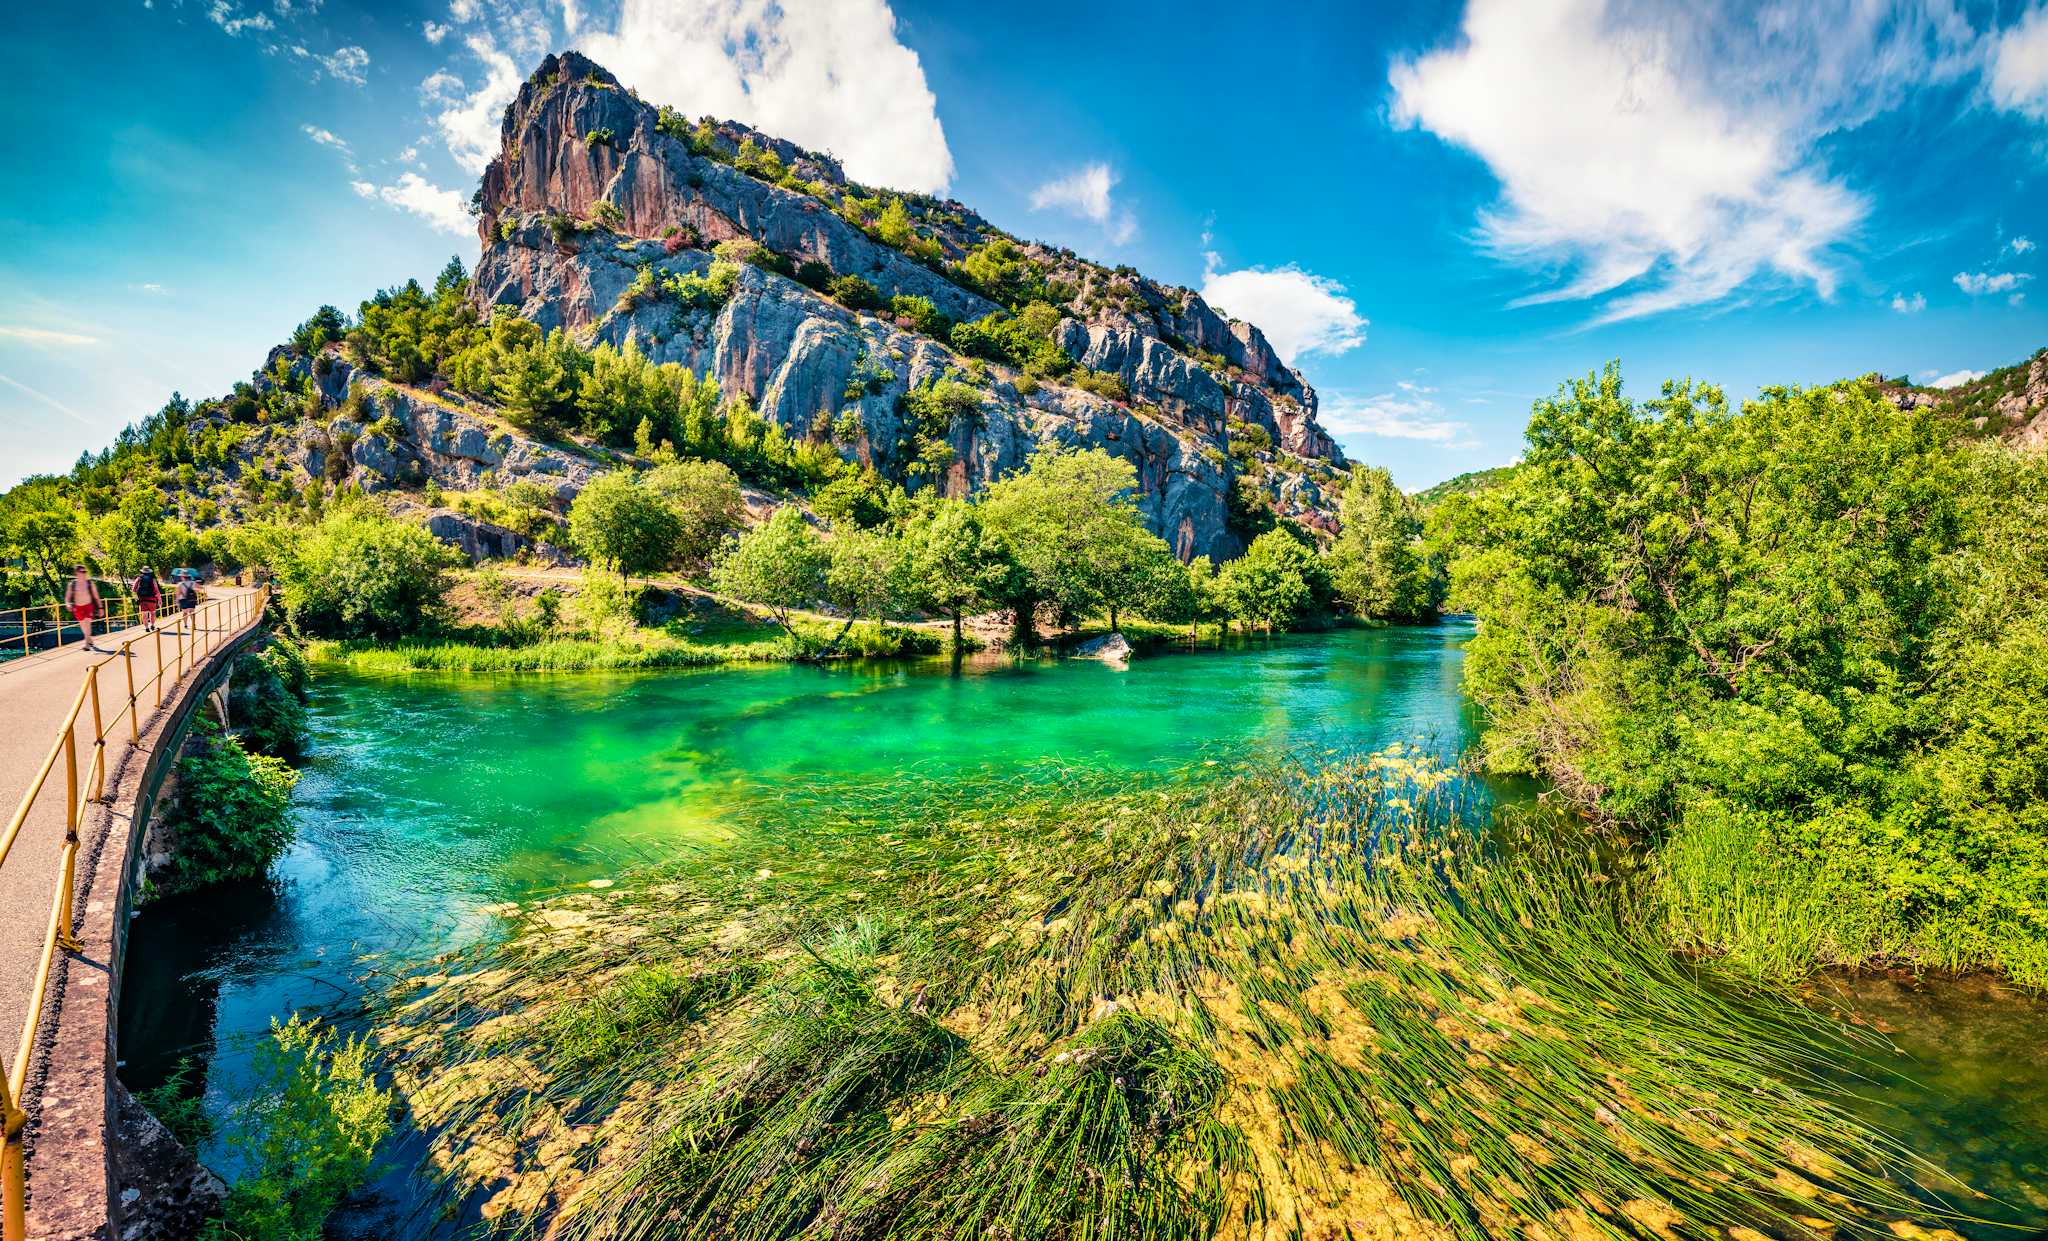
[(229, 820), (1799, 644), (359, 573)]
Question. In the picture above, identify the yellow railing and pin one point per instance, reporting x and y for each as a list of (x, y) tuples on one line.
[(196, 635), (18, 626)]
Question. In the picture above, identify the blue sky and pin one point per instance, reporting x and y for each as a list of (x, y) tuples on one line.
[(1440, 210)]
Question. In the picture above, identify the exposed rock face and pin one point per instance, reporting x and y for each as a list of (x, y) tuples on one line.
[(2018, 416), (2027, 410), (577, 145)]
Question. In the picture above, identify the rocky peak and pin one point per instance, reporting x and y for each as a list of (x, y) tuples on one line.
[(593, 187)]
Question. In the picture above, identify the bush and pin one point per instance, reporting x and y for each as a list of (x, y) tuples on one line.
[(267, 699), (305, 1136), (362, 574), (779, 564), (855, 293), (616, 522), (230, 820)]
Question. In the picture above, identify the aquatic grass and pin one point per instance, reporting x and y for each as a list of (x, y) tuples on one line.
[(669, 647), (1318, 1000)]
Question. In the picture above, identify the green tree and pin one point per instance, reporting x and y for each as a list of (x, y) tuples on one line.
[(1377, 566), (135, 534), (951, 566), (779, 564), (617, 522), (360, 574), (1273, 584), (1065, 516), (39, 524), (705, 498), (863, 576)]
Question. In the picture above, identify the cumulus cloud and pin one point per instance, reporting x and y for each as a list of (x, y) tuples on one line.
[(1909, 305), (231, 19), (445, 210), (1979, 283), (1663, 155), (2019, 245), (45, 336), (1406, 414), (469, 122), (2017, 75), (435, 31), (829, 74), (346, 64), (1956, 379), (1087, 192), (1299, 311)]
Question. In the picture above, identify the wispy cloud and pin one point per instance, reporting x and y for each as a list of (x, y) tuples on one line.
[(45, 398), (1088, 192), (347, 64), (1909, 305), (446, 210), (1298, 311), (45, 336), (232, 20), (1664, 156)]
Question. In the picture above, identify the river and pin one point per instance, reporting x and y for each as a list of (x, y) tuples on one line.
[(429, 799)]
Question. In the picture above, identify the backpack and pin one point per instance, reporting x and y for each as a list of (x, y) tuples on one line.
[(145, 585)]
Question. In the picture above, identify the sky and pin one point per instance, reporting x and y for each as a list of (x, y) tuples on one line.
[(1437, 212)]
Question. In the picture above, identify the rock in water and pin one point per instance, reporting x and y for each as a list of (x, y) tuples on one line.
[(1110, 649)]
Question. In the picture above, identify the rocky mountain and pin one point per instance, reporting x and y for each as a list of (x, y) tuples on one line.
[(599, 206), (2009, 404)]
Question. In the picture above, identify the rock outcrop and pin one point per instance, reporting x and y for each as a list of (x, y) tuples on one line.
[(2009, 404), (593, 186)]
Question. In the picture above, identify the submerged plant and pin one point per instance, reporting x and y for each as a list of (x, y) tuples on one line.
[(1306, 1003)]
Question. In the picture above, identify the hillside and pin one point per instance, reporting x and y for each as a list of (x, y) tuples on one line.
[(2010, 403)]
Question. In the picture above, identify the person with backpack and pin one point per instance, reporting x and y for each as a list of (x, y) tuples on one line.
[(82, 596), (148, 595), (188, 600)]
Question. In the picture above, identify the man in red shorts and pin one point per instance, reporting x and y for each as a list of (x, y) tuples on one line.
[(83, 598)]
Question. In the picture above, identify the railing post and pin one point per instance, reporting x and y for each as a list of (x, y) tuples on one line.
[(13, 1170), (159, 669), (99, 736), (128, 666)]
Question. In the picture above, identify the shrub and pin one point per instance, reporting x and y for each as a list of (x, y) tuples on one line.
[(304, 1136), (708, 291), (815, 275), (855, 293), (600, 137), (267, 699), (1102, 384), (230, 820), (362, 574), (920, 315)]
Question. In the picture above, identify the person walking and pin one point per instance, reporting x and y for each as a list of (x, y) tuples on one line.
[(188, 602), (148, 594), (83, 598)]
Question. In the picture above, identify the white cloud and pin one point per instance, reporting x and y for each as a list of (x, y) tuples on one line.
[(571, 17), (346, 64), (829, 74), (410, 155), (1299, 312), (230, 19), (1978, 283), (1956, 379), (152, 288), (2017, 299), (446, 210), (470, 123), (462, 11), (1909, 305), (1663, 155), (2017, 76), (1086, 192), (1388, 415), (46, 336), (326, 138), (2019, 245), (435, 31)]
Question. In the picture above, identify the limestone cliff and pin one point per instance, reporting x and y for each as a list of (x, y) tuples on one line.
[(593, 187)]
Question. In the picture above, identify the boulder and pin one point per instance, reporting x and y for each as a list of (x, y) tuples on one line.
[(1109, 648)]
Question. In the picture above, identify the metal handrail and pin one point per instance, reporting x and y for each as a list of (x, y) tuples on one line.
[(120, 608), (224, 617)]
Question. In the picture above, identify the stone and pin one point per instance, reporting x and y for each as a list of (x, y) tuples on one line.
[(1110, 649)]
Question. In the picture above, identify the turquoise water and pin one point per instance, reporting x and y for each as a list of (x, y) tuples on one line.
[(430, 798)]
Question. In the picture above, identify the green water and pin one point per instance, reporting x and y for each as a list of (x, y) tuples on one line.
[(430, 798)]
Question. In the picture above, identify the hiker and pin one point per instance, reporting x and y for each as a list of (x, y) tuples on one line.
[(83, 598), (188, 601), (148, 594)]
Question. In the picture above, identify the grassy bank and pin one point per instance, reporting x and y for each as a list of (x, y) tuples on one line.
[(1273, 1005), (622, 650)]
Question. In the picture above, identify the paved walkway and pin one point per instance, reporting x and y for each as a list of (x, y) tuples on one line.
[(35, 694)]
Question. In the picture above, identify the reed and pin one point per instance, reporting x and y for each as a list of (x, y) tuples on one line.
[(1322, 1001)]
